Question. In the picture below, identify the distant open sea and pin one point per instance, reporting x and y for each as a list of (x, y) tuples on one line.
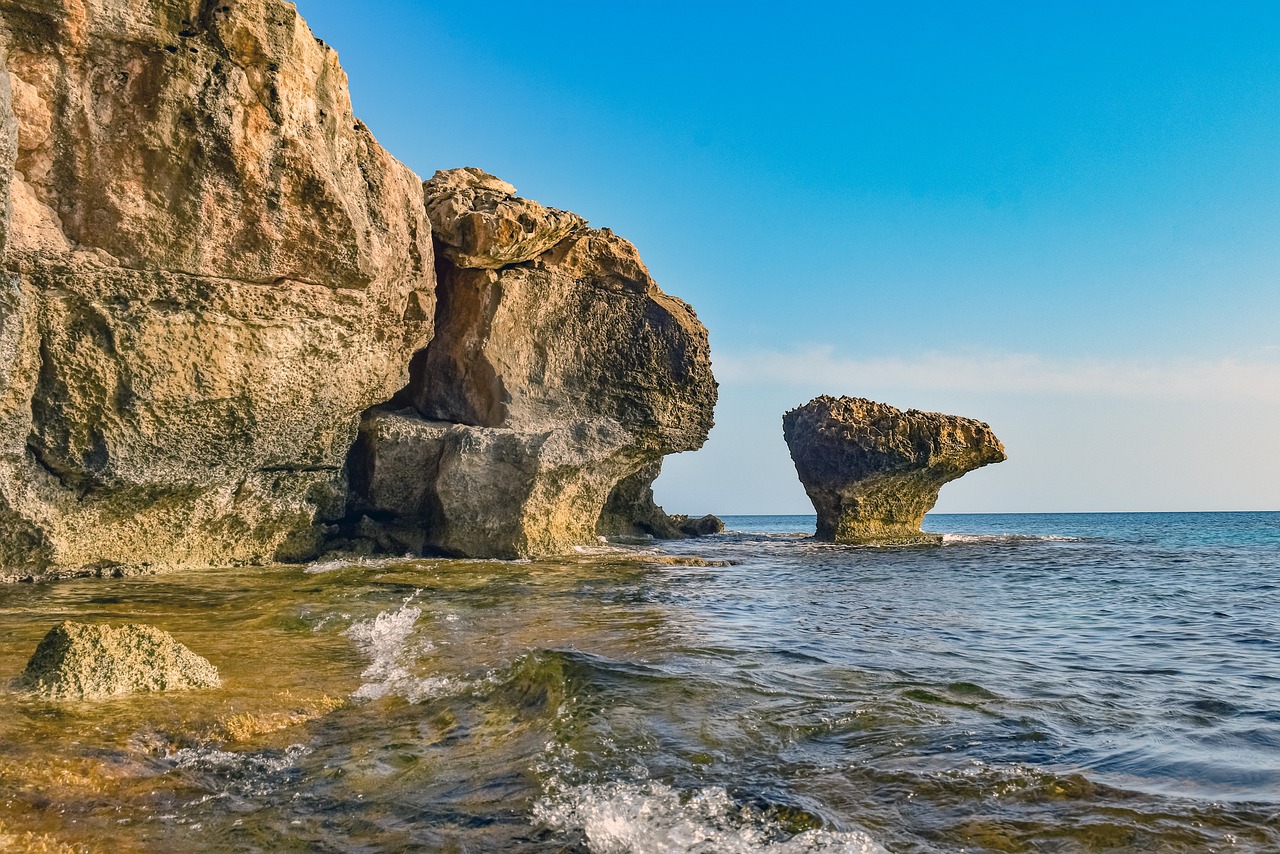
[(1059, 683)]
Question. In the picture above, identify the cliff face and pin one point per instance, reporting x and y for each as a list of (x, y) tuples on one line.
[(873, 471), (558, 370), (213, 271)]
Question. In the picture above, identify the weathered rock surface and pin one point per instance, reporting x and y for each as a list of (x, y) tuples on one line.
[(632, 513), (215, 275), (212, 270), (84, 662), (873, 471), (558, 370)]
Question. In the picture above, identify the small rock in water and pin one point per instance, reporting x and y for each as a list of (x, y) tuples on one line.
[(76, 661)]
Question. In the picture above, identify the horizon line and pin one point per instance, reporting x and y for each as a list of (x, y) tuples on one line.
[(1041, 513)]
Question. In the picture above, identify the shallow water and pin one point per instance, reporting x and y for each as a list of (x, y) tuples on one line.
[(1039, 683)]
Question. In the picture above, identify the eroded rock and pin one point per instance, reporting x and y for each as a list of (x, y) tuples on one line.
[(482, 223), (212, 270), (214, 275), (873, 471), (632, 513), (76, 661), (550, 379)]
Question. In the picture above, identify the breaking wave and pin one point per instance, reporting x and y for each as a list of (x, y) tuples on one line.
[(388, 642), (654, 818)]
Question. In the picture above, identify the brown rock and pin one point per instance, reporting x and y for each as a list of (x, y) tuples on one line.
[(483, 224), (87, 662), (213, 271), (215, 275), (577, 341), (873, 471)]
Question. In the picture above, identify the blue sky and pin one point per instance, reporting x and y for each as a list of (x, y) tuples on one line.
[(1059, 218)]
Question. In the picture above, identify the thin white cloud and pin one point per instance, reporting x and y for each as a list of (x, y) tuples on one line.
[(1020, 374)]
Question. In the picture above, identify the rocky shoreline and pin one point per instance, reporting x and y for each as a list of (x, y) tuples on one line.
[(236, 330)]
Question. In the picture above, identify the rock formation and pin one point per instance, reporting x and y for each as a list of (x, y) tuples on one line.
[(558, 371), (873, 471), (214, 273), (86, 662), (631, 512), (213, 270)]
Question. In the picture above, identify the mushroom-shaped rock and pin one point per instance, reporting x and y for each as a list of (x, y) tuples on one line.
[(873, 471), (76, 661)]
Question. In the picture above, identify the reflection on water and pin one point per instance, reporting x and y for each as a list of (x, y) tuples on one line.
[(1025, 689)]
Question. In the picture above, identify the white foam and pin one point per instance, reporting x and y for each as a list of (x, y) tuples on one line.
[(653, 818), (349, 563), (247, 774), (989, 539), (387, 641), (208, 759)]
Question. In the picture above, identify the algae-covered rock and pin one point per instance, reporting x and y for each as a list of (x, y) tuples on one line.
[(76, 661), (873, 471)]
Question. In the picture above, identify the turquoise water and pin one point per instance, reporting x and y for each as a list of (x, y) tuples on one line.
[(1060, 683)]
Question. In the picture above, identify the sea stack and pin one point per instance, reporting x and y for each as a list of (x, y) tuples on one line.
[(873, 471)]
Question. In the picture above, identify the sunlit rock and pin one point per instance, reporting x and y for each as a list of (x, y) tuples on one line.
[(873, 471), (558, 370), (85, 662), (212, 270)]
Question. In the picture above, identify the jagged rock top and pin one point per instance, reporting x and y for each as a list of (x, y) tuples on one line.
[(483, 224), (876, 435)]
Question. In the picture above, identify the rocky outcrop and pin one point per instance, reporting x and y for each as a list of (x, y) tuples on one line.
[(873, 471), (87, 662), (212, 270), (632, 513), (215, 275), (558, 370)]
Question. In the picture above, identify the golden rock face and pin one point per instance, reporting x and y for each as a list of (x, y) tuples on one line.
[(558, 371), (873, 471), (213, 272)]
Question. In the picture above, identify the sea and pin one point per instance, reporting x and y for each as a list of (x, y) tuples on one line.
[(1037, 683)]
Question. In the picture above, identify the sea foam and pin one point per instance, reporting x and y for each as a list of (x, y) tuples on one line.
[(653, 818)]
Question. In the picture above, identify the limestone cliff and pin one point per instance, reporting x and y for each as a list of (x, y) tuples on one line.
[(214, 274), (558, 370), (873, 471)]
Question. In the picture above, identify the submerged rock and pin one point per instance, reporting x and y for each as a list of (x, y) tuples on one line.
[(84, 662), (873, 471), (558, 371)]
